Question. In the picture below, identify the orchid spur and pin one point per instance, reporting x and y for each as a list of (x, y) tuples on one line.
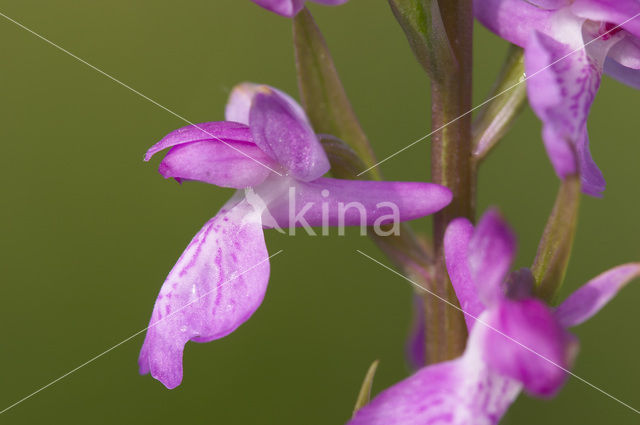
[(290, 8), (268, 151), (515, 341), (568, 44)]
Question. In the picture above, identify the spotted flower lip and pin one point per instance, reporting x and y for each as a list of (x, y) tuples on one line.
[(515, 341), (290, 8), (269, 152), (568, 45)]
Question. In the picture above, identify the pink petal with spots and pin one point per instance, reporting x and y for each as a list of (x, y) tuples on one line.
[(561, 87), (216, 285)]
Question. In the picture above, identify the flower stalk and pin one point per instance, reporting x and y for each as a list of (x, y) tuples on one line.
[(322, 93), (452, 166), (555, 247)]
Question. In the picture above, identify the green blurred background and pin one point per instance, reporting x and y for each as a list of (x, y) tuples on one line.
[(89, 231)]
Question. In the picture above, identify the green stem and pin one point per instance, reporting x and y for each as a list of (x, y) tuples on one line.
[(322, 93), (452, 166), (506, 100), (555, 247)]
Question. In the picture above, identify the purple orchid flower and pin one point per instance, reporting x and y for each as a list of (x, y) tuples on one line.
[(290, 8), (568, 44), (268, 149), (517, 343)]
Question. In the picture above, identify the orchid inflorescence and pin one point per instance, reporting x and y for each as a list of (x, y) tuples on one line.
[(511, 335)]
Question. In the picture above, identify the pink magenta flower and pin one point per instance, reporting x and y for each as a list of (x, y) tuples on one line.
[(290, 8), (515, 340), (269, 152), (568, 44)]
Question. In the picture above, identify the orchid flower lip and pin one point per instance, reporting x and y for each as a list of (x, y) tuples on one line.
[(609, 32), (234, 277), (492, 328)]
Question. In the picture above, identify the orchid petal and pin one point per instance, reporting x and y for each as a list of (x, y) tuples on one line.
[(241, 99), (216, 285), (512, 20), (491, 252), (458, 392), (235, 164), (628, 76), (456, 254), (595, 294), (221, 131), (279, 131), (626, 52), (561, 87), (550, 4), (334, 202), (287, 8), (619, 12), (239, 103), (593, 183), (522, 340)]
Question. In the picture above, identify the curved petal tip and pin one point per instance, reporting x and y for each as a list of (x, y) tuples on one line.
[(216, 285)]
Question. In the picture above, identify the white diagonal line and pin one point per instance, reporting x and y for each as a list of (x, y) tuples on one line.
[(135, 335), (496, 96), (499, 332), (114, 79)]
